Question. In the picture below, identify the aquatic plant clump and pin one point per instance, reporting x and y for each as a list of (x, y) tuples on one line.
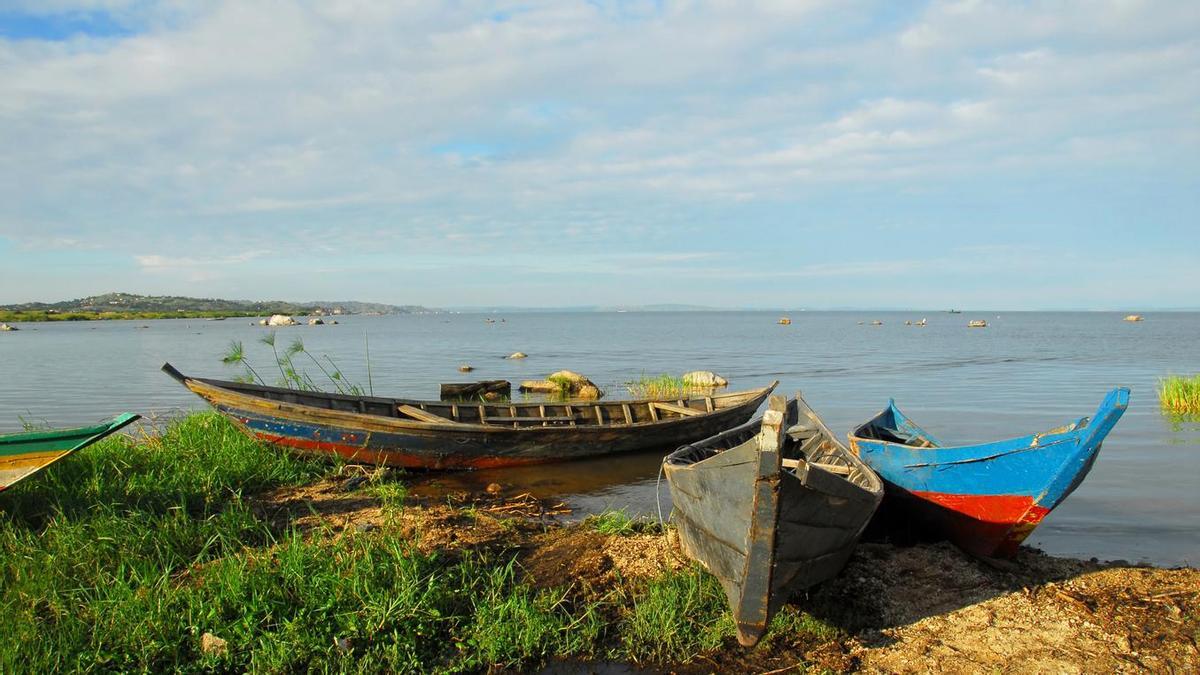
[(658, 386), (1180, 394)]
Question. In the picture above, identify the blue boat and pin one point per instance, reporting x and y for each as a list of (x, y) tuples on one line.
[(984, 498)]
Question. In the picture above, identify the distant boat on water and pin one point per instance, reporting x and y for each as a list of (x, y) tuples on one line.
[(955, 311)]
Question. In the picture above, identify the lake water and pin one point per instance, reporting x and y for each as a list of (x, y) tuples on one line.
[(1024, 373)]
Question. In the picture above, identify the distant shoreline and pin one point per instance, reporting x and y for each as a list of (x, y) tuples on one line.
[(30, 316)]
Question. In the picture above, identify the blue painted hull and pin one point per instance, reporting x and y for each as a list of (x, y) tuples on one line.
[(986, 498)]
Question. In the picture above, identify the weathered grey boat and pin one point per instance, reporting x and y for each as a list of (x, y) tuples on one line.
[(771, 507)]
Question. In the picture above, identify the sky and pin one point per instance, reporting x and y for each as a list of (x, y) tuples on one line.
[(993, 155)]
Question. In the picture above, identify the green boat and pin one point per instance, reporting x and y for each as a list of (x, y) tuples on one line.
[(22, 455)]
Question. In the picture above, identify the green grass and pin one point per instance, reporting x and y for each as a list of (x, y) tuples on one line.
[(123, 556), (619, 523), (1180, 394), (676, 617), (659, 386)]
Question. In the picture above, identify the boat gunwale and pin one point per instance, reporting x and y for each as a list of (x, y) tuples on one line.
[(875, 489), (1077, 432), (305, 413)]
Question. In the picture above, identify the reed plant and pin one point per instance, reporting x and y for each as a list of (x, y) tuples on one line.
[(658, 386), (1180, 394), (291, 375)]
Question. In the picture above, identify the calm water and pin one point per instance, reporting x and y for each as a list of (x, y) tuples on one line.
[(1024, 373)]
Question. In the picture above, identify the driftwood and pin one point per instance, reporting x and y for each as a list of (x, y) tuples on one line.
[(473, 390)]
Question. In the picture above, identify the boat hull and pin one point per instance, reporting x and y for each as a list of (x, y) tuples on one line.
[(375, 439), (764, 530), (22, 455), (985, 498)]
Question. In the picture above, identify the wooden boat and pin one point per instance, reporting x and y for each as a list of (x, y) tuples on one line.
[(985, 498), (22, 455), (770, 507), (450, 435)]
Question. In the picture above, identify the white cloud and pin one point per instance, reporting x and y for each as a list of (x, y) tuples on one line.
[(303, 128)]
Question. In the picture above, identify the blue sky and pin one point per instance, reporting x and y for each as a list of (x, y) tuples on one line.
[(774, 154)]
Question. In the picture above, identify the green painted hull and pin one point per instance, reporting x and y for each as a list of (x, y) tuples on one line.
[(22, 455)]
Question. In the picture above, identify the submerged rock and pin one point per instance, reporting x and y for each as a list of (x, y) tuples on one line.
[(466, 368), (316, 321), (517, 355), (704, 378)]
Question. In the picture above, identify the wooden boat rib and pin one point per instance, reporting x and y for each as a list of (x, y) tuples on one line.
[(450, 435), (985, 498), (22, 455), (770, 507)]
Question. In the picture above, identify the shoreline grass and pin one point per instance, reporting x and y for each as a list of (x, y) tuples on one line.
[(1180, 394), (126, 555)]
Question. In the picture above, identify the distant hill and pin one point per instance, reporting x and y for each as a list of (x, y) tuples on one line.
[(142, 306)]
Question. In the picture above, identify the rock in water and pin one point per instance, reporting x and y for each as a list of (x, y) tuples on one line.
[(518, 355), (704, 378), (281, 320), (465, 368), (316, 321), (538, 387), (4, 326), (569, 376), (589, 392)]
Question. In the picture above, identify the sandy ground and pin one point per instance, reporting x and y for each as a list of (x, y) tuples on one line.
[(922, 609)]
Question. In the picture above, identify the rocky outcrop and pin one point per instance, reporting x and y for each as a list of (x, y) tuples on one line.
[(704, 378), (281, 320), (517, 355), (4, 326), (566, 383), (316, 321)]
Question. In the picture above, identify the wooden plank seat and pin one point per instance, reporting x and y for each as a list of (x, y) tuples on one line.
[(679, 409), (833, 468), (423, 415), (505, 420)]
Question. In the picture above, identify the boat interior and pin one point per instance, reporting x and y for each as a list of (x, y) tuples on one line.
[(808, 441), (511, 414)]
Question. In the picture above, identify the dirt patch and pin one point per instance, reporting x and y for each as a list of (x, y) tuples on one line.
[(568, 557), (596, 562), (1106, 621), (924, 608), (325, 504)]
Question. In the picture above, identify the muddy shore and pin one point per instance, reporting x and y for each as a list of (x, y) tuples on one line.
[(926, 608)]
